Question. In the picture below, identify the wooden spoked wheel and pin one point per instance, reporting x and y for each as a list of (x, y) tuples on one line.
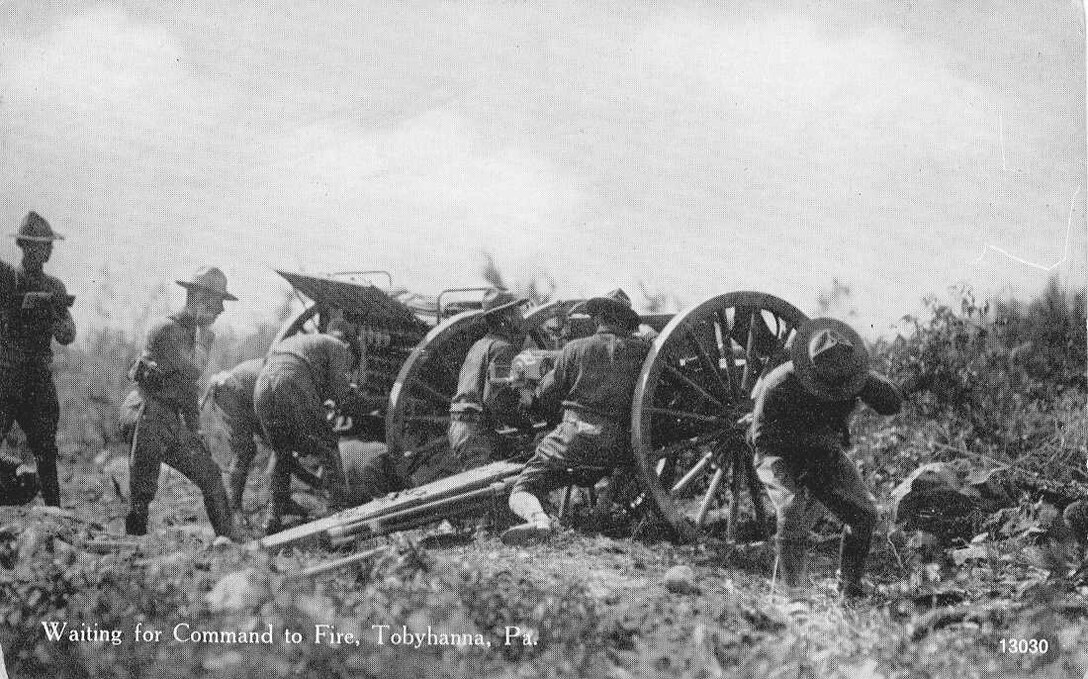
[(312, 319), (418, 417), (695, 388)]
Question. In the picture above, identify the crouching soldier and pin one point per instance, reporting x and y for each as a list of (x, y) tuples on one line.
[(299, 375), (165, 408), (232, 393), (594, 382), (484, 398), (33, 312), (800, 430)]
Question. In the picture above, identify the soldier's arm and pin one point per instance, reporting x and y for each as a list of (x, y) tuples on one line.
[(549, 394), (339, 361), (881, 394), (167, 346), (500, 398)]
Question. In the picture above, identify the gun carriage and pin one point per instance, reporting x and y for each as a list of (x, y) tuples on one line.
[(687, 420)]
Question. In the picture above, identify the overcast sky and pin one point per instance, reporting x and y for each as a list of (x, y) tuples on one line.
[(898, 147)]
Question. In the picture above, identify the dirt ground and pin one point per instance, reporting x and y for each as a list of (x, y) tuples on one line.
[(582, 604)]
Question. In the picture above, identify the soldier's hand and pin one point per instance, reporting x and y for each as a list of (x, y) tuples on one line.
[(37, 300), (525, 398)]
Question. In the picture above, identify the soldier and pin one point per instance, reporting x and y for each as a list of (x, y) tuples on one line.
[(800, 431), (484, 400), (594, 382), (166, 407), (34, 312), (232, 393), (299, 375)]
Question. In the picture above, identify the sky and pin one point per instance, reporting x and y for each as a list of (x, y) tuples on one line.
[(685, 147)]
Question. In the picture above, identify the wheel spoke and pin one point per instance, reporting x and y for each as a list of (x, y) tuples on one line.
[(698, 417), (704, 358), (752, 365), (690, 476), (433, 419), (694, 385), (431, 391), (730, 369), (700, 518)]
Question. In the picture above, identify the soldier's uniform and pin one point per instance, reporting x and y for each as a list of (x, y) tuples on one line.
[(800, 431), (232, 393), (34, 311), (483, 402), (594, 382), (299, 375), (167, 413)]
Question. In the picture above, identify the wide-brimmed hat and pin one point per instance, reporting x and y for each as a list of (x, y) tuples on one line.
[(615, 303), (35, 229), (497, 299), (830, 359), (211, 279)]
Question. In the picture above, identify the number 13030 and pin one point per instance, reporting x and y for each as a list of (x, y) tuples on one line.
[(1025, 646)]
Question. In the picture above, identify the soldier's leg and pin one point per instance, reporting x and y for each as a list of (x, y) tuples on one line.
[(244, 448), (796, 513), (192, 458), (38, 415), (150, 437), (279, 490), (844, 493), (545, 471)]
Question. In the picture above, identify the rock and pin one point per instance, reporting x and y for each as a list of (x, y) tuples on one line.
[(933, 500), (680, 580), (234, 592)]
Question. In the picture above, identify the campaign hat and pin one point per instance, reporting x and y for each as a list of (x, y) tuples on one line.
[(830, 359)]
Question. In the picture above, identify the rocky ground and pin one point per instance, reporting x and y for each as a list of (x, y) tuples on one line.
[(584, 604)]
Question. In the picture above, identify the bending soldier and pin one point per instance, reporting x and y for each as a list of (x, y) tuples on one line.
[(34, 312), (800, 430), (484, 399), (299, 375), (232, 393), (594, 382), (167, 415)]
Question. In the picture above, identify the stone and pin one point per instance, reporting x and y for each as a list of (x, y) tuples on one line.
[(235, 592), (680, 580), (933, 500)]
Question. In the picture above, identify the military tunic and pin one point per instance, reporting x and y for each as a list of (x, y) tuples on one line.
[(801, 441), (28, 395), (232, 393), (481, 404), (167, 426), (299, 375), (594, 382)]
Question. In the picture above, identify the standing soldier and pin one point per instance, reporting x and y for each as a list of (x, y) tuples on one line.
[(484, 398), (594, 382), (800, 430), (34, 311), (167, 412), (232, 393), (299, 375)]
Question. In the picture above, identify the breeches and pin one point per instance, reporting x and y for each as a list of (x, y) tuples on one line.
[(28, 397), (801, 494), (578, 450), (162, 437)]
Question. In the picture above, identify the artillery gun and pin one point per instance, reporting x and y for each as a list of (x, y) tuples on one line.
[(687, 419)]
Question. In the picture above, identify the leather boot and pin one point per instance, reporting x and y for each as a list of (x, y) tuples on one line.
[(236, 488), (136, 523), (853, 550), (790, 560)]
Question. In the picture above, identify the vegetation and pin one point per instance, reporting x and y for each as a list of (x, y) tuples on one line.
[(988, 383)]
